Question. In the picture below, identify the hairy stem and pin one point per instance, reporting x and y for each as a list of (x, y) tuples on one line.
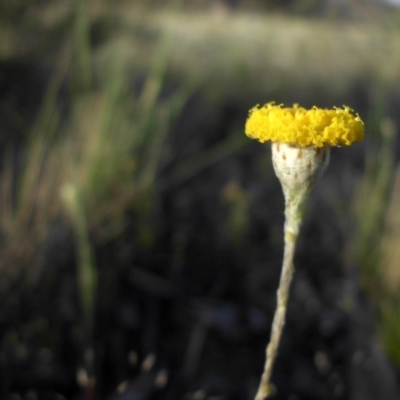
[(292, 223)]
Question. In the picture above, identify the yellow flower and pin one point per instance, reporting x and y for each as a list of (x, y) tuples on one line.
[(296, 125)]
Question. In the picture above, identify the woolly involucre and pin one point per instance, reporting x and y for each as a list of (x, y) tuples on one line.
[(299, 126)]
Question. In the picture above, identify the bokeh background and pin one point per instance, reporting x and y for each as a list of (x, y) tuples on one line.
[(141, 231)]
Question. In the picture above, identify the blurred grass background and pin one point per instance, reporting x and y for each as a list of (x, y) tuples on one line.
[(123, 159)]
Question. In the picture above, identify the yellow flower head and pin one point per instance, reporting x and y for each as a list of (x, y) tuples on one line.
[(296, 125)]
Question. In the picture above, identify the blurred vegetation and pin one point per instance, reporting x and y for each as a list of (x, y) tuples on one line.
[(91, 161), (96, 152)]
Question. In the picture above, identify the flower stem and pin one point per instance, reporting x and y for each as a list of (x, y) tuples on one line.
[(292, 224)]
